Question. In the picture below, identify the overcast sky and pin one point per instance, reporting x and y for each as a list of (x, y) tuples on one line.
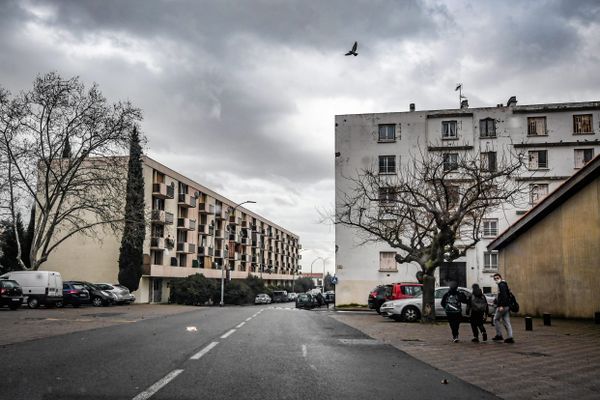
[(241, 95)]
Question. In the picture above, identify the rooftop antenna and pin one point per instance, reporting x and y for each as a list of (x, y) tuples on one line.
[(460, 96)]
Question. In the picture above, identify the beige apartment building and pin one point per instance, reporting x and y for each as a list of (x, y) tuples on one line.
[(191, 229)]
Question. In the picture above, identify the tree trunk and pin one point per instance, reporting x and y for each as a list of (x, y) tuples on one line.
[(428, 306)]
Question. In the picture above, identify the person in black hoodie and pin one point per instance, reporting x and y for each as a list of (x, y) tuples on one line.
[(502, 311), (451, 304), (478, 308)]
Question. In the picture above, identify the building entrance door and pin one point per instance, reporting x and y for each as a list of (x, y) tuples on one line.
[(453, 271), (157, 290)]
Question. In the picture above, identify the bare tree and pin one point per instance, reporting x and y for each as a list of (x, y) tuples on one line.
[(78, 194), (431, 210)]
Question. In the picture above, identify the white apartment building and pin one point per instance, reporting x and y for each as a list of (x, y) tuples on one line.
[(557, 138), (192, 229)]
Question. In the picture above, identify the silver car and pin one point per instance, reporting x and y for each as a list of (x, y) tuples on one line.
[(410, 309), (124, 296), (262, 298)]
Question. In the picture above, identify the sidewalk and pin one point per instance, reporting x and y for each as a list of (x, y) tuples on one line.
[(557, 362)]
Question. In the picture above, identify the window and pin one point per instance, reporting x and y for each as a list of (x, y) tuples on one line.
[(448, 129), (387, 164), (412, 291), (536, 126), (537, 192), (582, 124), (450, 161), (490, 227), (453, 195), (487, 128), (490, 260), (439, 293), (488, 161), (387, 261), (583, 156), (538, 159), (387, 133), (387, 197)]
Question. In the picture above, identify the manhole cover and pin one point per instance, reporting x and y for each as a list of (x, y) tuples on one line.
[(359, 341), (103, 315)]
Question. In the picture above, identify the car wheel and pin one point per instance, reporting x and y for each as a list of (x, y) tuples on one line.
[(32, 302), (60, 304), (411, 314), (97, 302)]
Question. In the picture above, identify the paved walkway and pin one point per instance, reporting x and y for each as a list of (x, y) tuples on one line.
[(557, 362)]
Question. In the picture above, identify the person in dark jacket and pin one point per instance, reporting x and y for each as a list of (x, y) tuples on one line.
[(451, 302), (502, 311), (478, 308)]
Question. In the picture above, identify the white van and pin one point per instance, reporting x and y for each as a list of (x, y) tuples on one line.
[(39, 287)]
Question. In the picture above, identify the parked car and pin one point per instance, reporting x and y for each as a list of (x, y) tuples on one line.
[(75, 294), (97, 296), (11, 294), (292, 296), (123, 295), (39, 287), (409, 309), (280, 296), (262, 298), (394, 291), (306, 300)]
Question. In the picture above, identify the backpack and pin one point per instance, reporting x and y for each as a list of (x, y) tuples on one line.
[(479, 304), (512, 303), (452, 304)]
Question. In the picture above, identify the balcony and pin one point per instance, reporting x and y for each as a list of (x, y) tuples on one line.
[(157, 243), (219, 212), (186, 248), (163, 191), (203, 229), (187, 200), (186, 224), (234, 237), (219, 234), (235, 221), (205, 208), (162, 217), (245, 240), (299, 256), (205, 251), (219, 253), (246, 257)]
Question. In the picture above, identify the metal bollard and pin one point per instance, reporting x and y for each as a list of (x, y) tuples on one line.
[(528, 324), (597, 317), (547, 319)]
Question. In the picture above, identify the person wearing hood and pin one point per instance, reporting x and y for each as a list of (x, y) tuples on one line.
[(478, 308), (451, 302)]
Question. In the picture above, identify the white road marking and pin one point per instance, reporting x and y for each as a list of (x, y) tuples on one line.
[(304, 350), (248, 319), (204, 351), (224, 336), (146, 394), (240, 325)]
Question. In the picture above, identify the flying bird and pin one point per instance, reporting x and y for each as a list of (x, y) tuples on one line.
[(353, 51)]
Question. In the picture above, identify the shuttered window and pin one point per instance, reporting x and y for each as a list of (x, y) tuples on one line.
[(387, 261), (582, 124), (536, 126)]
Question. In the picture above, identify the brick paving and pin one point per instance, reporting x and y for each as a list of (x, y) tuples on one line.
[(557, 362)]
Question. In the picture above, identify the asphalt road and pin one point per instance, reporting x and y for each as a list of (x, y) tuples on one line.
[(266, 352)]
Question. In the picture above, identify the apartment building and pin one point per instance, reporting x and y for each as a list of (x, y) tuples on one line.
[(557, 140), (192, 229)]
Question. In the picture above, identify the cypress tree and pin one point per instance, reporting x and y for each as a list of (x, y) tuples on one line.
[(131, 255), (67, 153), (8, 245), (28, 238)]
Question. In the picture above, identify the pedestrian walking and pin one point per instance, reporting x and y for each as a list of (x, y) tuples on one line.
[(451, 302), (502, 316), (478, 308)]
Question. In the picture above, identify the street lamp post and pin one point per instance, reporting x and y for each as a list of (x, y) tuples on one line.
[(229, 214)]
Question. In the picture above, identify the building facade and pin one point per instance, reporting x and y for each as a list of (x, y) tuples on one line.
[(191, 229), (549, 256), (556, 139)]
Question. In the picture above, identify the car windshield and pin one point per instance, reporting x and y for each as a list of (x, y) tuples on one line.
[(103, 286), (10, 284)]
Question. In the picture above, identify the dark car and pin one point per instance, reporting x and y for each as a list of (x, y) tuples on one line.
[(75, 294), (378, 296), (329, 297), (280, 296), (306, 300), (11, 294), (98, 296)]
